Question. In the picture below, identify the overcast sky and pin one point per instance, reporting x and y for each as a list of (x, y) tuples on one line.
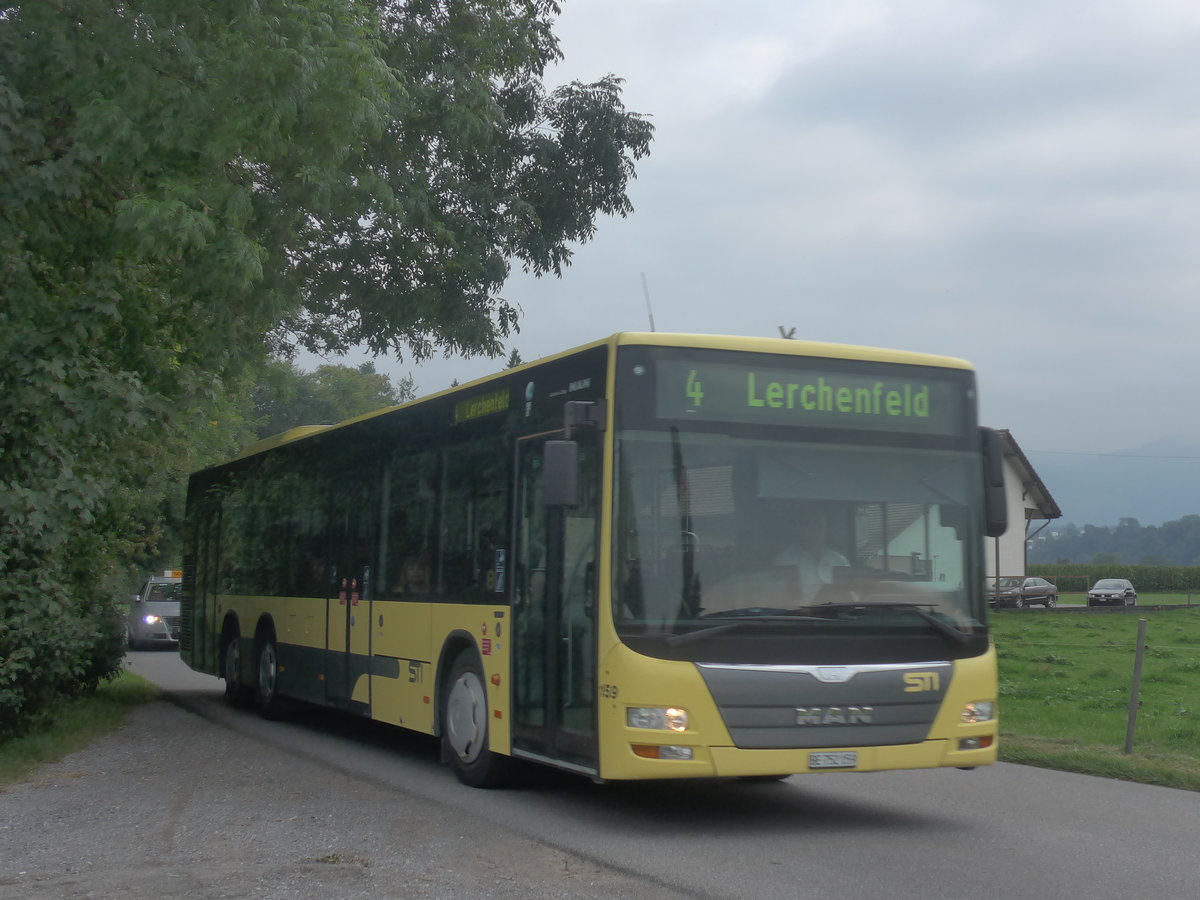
[(1015, 183)]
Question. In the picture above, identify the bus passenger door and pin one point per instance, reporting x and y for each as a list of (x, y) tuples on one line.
[(347, 656), (554, 624)]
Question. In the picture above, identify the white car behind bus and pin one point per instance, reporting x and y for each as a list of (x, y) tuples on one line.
[(154, 612)]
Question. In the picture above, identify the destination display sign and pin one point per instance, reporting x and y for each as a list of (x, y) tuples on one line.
[(481, 405), (888, 399)]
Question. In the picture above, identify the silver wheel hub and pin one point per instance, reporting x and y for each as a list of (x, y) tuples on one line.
[(266, 671), (466, 716)]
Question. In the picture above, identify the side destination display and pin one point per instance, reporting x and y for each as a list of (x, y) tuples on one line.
[(757, 394)]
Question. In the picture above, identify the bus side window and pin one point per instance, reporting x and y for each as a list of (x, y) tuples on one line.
[(474, 523), (410, 533)]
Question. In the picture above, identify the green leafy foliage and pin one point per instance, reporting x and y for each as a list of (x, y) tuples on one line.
[(478, 166), (185, 188), (286, 396)]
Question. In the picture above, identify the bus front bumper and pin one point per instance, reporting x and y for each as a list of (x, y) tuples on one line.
[(732, 762)]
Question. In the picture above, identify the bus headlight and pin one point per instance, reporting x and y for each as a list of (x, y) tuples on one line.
[(670, 718), (979, 711)]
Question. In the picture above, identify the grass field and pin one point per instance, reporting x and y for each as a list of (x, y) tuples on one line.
[(1065, 683)]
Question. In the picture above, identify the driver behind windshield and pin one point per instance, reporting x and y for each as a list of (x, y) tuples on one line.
[(806, 551), (797, 564)]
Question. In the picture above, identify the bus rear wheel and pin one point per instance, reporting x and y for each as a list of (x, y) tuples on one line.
[(465, 726), (266, 695), (236, 693)]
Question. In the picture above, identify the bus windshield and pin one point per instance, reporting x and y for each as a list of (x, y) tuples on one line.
[(721, 538)]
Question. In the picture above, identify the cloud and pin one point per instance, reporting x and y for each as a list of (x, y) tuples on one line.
[(1012, 182)]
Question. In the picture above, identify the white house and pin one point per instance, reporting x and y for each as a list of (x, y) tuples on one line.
[(1030, 509)]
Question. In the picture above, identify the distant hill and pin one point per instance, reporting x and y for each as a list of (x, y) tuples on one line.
[(1174, 543), (1153, 483)]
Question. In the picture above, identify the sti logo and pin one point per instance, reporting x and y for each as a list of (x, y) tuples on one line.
[(918, 682)]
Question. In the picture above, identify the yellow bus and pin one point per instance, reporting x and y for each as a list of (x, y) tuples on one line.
[(654, 556)]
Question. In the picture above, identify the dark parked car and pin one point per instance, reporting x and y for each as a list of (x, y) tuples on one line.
[(1021, 592), (1112, 592)]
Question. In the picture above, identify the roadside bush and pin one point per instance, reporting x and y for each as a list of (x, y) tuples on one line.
[(59, 637)]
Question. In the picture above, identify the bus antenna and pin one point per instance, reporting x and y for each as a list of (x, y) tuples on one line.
[(646, 294)]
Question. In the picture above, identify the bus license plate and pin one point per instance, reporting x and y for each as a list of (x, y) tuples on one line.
[(847, 759)]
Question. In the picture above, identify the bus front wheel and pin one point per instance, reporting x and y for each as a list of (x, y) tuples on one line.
[(465, 726)]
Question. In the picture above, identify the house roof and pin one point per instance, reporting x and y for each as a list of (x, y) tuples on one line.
[(1035, 489)]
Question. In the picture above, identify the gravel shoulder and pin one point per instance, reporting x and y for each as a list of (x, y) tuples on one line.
[(160, 809)]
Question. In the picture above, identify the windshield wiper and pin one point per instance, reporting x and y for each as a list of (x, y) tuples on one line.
[(732, 623), (944, 627)]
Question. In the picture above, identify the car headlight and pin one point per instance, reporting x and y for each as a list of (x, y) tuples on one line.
[(669, 718), (151, 620), (979, 711)]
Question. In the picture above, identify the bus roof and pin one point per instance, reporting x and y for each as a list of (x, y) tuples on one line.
[(790, 347), (776, 345)]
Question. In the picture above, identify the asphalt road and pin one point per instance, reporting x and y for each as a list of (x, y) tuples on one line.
[(195, 799)]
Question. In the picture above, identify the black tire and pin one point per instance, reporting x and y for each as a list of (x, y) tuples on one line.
[(236, 693), (1019, 603), (266, 691), (465, 722), (1050, 603)]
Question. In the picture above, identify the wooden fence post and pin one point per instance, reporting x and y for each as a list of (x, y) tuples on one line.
[(1135, 693)]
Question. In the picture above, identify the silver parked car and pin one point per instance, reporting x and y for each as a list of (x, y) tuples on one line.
[(154, 612), (1112, 592)]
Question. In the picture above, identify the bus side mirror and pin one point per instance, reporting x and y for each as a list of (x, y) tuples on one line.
[(995, 504), (560, 473), (560, 459)]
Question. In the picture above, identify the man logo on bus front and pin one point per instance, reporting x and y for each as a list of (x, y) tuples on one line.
[(834, 715)]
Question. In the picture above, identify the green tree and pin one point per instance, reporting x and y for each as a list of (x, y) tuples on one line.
[(187, 187), (514, 359), (286, 396)]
